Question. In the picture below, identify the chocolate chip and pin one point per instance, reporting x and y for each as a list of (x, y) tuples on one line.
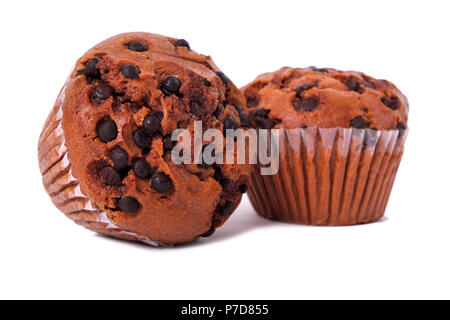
[(158, 114), (229, 123), (141, 139), (238, 109), (260, 116), (227, 209), (243, 188), (209, 232), (170, 85), (264, 123), (303, 87), (217, 174), (206, 82), (137, 46), (219, 108), (119, 157), (110, 176), (263, 113), (90, 69), (325, 70), (101, 93), (130, 71), (391, 103), (161, 182), (125, 171), (152, 122), (181, 43), (353, 84), (306, 104), (106, 130), (242, 116), (168, 144), (401, 126), (359, 123), (224, 182), (129, 205), (222, 77), (244, 119), (141, 168)]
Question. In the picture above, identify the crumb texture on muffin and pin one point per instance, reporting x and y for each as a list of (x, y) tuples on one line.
[(120, 106), (324, 98)]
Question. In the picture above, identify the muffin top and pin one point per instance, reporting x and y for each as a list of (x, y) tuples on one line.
[(122, 102), (325, 98)]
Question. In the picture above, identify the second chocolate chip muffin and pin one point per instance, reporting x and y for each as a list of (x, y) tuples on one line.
[(325, 98), (341, 138), (105, 150)]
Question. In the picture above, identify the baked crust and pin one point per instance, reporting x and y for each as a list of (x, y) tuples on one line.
[(324, 98)]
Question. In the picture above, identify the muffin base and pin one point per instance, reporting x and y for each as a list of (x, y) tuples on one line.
[(329, 176)]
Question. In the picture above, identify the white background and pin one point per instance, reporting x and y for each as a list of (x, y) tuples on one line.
[(45, 255)]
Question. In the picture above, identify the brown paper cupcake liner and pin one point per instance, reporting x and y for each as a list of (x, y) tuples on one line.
[(64, 189), (332, 176)]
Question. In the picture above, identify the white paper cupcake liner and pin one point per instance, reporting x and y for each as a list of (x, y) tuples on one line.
[(332, 176)]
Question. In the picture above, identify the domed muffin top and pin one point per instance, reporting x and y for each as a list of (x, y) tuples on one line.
[(325, 98), (122, 102)]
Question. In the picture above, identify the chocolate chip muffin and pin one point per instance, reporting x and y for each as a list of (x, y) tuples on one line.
[(105, 150), (341, 138)]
